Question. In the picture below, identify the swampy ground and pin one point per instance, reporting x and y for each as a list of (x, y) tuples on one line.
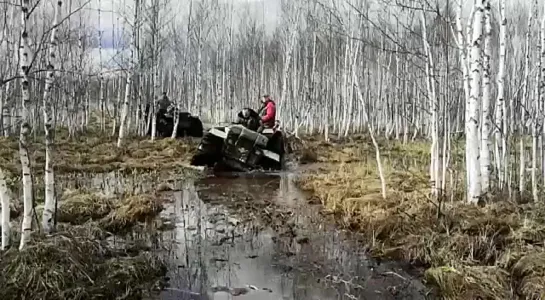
[(495, 251), (135, 223)]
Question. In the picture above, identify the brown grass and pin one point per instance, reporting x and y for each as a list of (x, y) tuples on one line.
[(95, 153), (490, 252), (80, 206), (130, 211), (113, 214), (76, 263), (355, 149)]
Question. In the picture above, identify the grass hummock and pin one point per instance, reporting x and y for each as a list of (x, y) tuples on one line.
[(491, 252), (76, 263)]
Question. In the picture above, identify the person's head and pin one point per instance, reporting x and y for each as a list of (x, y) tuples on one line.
[(246, 113), (164, 93), (266, 98)]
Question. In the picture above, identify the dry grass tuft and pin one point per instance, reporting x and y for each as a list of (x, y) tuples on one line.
[(76, 264), (486, 252), (308, 156), (78, 207), (530, 274), (132, 210), (116, 216), (469, 282)]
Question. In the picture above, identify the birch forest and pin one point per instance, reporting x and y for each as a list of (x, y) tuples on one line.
[(421, 121)]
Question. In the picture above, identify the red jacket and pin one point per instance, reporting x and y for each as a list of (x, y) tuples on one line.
[(270, 114)]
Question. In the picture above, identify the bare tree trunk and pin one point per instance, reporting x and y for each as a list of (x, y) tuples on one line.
[(523, 107), (501, 130), (25, 58), (186, 53), (371, 133), (486, 114), (101, 96), (48, 223), (5, 200), (128, 84), (542, 89), (472, 121), (434, 106)]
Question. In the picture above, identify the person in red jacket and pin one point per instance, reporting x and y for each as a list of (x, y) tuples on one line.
[(269, 119)]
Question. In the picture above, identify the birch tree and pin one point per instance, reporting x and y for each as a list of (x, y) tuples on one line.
[(434, 106), (524, 107), (25, 59), (130, 74), (5, 201), (49, 177), (541, 91), (472, 122), (486, 127), (292, 11), (501, 129), (156, 51)]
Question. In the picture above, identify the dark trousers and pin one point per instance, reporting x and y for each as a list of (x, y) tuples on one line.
[(263, 126)]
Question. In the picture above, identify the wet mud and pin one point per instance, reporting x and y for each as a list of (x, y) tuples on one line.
[(255, 236)]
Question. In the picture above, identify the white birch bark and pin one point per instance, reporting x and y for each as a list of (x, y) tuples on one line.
[(154, 31), (128, 84), (472, 121), (434, 106), (486, 127), (101, 96), (523, 108), (535, 138), (124, 110), (501, 107), (539, 102), (542, 89), (288, 55), (25, 57), (5, 200), (49, 176)]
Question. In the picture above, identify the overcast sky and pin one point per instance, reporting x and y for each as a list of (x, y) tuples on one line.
[(266, 11)]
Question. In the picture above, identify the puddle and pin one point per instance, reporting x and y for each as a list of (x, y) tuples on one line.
[(223, 253), (254, 236)]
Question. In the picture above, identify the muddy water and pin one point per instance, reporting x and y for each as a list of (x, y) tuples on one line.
[(256, 237), (224, 253)]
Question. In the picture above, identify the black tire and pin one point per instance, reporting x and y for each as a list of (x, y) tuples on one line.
[(276, 145), (196, 128), (210, 151)]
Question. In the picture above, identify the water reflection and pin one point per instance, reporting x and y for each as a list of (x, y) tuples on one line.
[(221, 254), (221, 247), (113, 183)]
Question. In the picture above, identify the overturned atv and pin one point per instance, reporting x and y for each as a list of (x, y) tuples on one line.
[(237, 148)]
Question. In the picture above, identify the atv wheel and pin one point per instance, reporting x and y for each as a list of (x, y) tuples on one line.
[(209, 152), (276, 145)]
